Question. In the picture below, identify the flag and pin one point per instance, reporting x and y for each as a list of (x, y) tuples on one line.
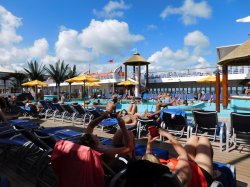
[(134, 50), (110, 61)]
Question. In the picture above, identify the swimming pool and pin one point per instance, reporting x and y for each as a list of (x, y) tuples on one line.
[(150, 106), (50, 97)]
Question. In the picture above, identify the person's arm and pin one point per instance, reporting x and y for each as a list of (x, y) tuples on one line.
[(109, 109), (182, 169), (95, 122), (149, 144), (150, 115), (134, 120), (128, 142)]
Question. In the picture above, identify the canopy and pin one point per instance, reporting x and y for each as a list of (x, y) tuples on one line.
[(83, 78), (240, 56), (127, 83), (210, 78), (136, 59), (92, 84), (35, 83)]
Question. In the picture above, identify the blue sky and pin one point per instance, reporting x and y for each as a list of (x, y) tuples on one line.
[(171, 34)]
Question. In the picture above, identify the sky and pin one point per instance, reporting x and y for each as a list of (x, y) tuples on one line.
[(170, 34)]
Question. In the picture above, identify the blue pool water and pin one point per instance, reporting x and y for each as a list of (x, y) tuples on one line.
[(50, 97), (224, 113)]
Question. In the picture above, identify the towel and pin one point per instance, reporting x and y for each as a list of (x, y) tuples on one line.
[(77, 165)]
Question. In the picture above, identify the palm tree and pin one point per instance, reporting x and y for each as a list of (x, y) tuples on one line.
[(58, 72), (72, 73), (35, 71), (20, 78)]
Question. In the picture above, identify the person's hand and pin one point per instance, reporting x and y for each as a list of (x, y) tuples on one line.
[(110, 107), (163, 132), (151, 139), (121, 122)]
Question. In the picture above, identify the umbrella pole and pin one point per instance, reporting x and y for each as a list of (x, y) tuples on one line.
[(83, 93), (70, 91), (36, 93)]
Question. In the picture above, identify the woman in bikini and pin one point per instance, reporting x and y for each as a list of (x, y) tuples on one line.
[(193, 166)]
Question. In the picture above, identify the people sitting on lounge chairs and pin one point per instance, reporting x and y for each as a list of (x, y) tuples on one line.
[(123, 139), (193, 166), (129, 116), (158, 109)]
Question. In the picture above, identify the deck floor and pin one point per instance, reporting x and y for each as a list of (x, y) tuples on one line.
[(241, 160)]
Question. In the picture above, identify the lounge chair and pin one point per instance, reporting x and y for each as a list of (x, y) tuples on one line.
[(70, 114), (84, 114), (239, 134), (175, 121), (37, 159), (60, 112), (46, 111), (142, 125), (206, 123)]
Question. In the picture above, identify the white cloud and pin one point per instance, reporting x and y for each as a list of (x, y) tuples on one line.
[(189, 11), (167, 59), (112, 10), (244, 20), (68, 47), (8, 25), (197, 40), (12, 57), (109, 37)]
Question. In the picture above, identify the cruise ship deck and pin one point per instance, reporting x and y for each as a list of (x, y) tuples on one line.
[(241, 160)]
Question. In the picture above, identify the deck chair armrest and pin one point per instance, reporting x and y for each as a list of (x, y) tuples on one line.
[(43, 137)]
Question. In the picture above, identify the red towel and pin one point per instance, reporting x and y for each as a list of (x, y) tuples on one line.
[(77, 165)]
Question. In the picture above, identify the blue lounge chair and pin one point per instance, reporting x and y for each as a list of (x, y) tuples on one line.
[(175, 121), (239, 133), (206, 123)]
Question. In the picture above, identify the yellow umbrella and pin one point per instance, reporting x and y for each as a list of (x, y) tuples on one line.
[(35, 83), (85, 79), (208, 79), (127, 83), (92, 84)]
